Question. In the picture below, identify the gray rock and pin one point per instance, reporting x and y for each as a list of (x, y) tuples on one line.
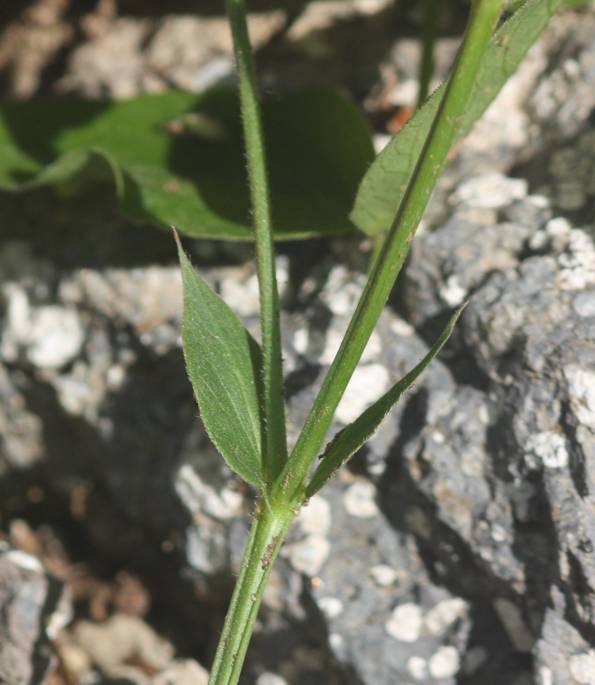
[(386, 619), (458, 546), (34, 608)]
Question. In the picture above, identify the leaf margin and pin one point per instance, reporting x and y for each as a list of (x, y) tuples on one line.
[(354, 436), (251, 473)]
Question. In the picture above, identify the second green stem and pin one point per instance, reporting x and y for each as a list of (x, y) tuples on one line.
[(274, 441), (483, 21)]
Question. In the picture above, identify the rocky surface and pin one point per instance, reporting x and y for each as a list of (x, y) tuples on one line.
[(34, 609), (458, 546)]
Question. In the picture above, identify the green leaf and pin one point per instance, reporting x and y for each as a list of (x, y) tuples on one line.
[(223, 363), (178, 158), (384, 185), (349, 440)]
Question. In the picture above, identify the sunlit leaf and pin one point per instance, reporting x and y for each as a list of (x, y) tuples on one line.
[(223, 363)]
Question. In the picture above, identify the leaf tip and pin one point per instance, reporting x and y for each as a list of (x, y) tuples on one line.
[(182, 256), (176, 237), (460, 309)]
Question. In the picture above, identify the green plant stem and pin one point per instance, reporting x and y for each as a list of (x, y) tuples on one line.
[(274, 441), (483, 20), (432, 12), (266, 537)]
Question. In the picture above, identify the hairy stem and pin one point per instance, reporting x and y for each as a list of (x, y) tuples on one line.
[(483, 20), (266, 537), (273, 425)]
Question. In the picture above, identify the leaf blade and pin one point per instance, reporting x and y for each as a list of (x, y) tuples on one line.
[(349, 440), (178, 158), (223, 364), (383, 186)]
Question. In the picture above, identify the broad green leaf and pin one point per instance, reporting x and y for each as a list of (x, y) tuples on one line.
[(178, 158), (349, 440), (223, 363), (384, 185)]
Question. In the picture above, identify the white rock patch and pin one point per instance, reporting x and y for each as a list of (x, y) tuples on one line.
[(582, 667), (491, 191), (300, 340), (367, 384), (199, 496), (405, 623), (315, 517), (336, 641), (55, 337), (241, 296), (270, 679), (581, 384), (444, 614), (331, 607), (332, 342), (384, 575), (445, 663), (17, 321), (578, 263), (309, 555), (545, 676), (418, 667), (547, 448), (453, 293), (359, 500)]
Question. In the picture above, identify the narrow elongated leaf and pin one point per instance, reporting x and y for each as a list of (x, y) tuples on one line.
[(384, 185), (178, 158), (349, 440), (223, 363)]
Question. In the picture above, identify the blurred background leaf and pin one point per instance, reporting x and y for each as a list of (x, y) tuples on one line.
[(178, 158)]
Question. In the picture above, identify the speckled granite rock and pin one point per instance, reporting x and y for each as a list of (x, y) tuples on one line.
[(458, 548)]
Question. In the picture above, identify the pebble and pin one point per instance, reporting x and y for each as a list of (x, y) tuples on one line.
[(545, 676), (445, 663), (444, 614), (453, 293), (336, 641), (182, 672), (309, 555), (55, 338), (384, 575), (582, 667), (270, 679), (16, 327), (405, 623), (360, 500), (331, 607), (300, 340), (418, 667), (315, 517)]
